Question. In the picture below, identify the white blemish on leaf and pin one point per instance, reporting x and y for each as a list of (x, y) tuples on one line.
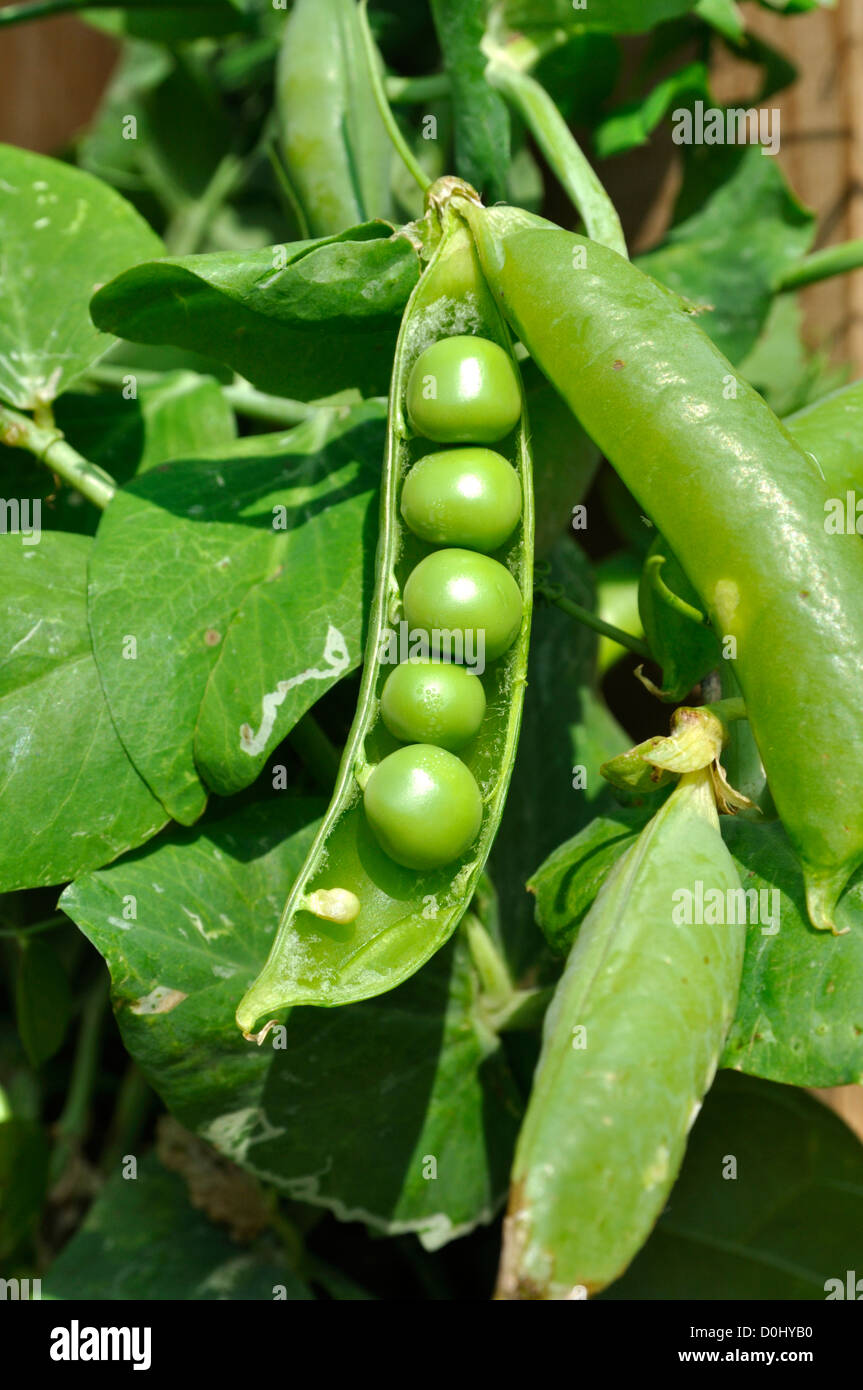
[(337, 662), (160, 1000)]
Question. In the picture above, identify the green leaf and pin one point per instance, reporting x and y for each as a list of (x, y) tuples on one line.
[(753, 207), (61, 233), (724, 16), (184, 414), (566, 883), (142, 1239), (167, 22), (614, 16), (631, 125), (24, 1157), (326, 320), (800, 1014), (349, 1106), (777, 1233), (482, 141), (240, 626), (71, 798), (782, 367), (564, 727), (565, 459), (43, 1001)]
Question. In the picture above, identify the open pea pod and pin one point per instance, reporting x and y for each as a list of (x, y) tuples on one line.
[(392, 918), (631, 1043)]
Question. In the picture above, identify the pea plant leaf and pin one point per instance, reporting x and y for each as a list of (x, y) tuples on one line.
[(355, 1109), (566, 883), (166, 22), (800, 1015), (257, 560), (181, 415), (482, 144), (632, 124), (305, 320), (43, 1000), (62, 234), (25, 1154), (735, 1229), (61, 815), (750, 206), (614, 16), (142, 1238), (567, 738)]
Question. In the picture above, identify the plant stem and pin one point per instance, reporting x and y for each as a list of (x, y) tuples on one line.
[(134, 1101), (20, 432), (317, 751), (553, 594), (71, 1128), (413, 91), (186, 230), (560, 148), (244, 398), (48, 925), (389, 120), (821, 265)]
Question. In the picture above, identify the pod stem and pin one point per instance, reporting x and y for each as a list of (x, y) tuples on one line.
[(822, 265), (560, 148), (553, 593), (373, 61), (48, 445), (672, 600)]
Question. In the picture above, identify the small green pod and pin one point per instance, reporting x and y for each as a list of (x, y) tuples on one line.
[(464, 497), (631, 1043), (682, 643)]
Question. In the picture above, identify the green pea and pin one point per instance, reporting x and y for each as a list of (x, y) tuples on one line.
[(458, 591), (433, 702), (463, 390), (424, 806), (469, 497)]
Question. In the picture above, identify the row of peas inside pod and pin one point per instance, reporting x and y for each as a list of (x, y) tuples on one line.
[(423, 803)]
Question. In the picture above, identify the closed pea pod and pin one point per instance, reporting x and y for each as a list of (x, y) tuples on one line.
[(336, 148), (406, 910), (740, 502), (631, 1043)]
